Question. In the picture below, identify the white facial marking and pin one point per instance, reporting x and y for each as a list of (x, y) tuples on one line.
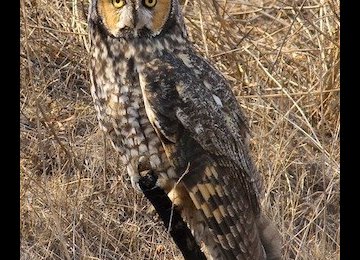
[(126, 17), (143, 18)]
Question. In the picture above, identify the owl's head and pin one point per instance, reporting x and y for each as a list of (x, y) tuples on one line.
[(137, 18)]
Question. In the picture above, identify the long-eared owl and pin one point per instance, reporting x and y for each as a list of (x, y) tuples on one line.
[(168, 110)]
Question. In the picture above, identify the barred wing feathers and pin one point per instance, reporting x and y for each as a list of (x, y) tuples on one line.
[(201, 136)]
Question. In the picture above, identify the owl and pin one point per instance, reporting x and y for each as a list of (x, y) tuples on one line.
[(168, 110)]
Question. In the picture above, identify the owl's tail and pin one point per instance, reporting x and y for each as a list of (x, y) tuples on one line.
[(230, 224), (270, 238)]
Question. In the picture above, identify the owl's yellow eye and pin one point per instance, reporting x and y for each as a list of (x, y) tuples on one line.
[(118, 3), (150, 3)]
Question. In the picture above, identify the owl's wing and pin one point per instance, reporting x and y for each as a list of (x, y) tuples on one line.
[(218, 86), (200, 138)]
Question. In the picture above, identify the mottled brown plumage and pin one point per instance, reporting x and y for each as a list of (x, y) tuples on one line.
[(167, 109)]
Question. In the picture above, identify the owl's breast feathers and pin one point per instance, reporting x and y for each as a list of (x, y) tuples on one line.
[(203, 131)]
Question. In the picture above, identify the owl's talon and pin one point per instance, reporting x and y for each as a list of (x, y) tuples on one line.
[(141, 168), (134, 179)]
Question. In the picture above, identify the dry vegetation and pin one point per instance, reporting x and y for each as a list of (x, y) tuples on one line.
[(282, 58)]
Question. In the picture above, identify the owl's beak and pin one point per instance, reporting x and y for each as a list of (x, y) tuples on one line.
[(127, 20), (140, 24), (135, 19)]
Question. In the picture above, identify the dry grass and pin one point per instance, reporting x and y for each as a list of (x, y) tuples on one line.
[(282, 59)]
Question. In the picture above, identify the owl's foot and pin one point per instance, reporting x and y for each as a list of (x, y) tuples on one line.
[(134, 179), (141, 168), (144, 165), (148, 182)]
